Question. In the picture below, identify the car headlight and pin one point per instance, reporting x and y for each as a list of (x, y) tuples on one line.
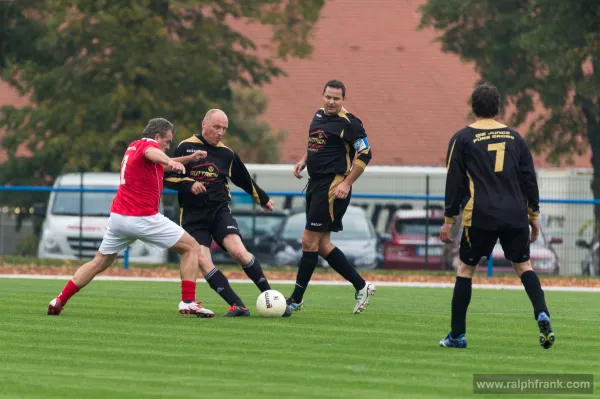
[(50, 245)]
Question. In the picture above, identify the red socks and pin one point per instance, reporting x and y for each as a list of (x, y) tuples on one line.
[(67, 292), (188, 291)]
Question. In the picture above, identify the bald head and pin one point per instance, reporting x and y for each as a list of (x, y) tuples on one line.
[(214, 126)]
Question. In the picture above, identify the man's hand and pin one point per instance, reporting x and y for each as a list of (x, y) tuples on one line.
[(535, 229), (198, 155), (446, 233), (269, 205), (176, 166), (298, 168), (341, 190), (198, 188)]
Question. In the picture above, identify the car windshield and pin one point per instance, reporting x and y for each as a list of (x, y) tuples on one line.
[(263, 224), (94, 204), (418, 227), (356, 227)]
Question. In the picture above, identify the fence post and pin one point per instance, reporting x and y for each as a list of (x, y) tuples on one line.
[(427, 222), (489, 265), (126, 258), (80, 214)]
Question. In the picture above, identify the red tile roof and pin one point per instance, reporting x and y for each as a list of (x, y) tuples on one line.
[(410, 96)]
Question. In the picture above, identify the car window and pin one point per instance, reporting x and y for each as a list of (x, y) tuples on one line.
[(418, 227), (356, 227), (94, 203), (263, 224)]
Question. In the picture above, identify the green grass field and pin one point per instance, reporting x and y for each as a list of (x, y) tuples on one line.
[(126, 340)]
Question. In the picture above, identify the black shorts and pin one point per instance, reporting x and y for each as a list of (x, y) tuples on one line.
[(323, 211), (477, 243), (215, 226)]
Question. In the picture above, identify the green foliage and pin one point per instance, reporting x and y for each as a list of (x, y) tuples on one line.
[(251, 138), (537, 49), (27, 247), (97, 71)]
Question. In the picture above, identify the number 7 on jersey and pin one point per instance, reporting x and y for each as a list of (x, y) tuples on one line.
[(500, 149), (123, 166)]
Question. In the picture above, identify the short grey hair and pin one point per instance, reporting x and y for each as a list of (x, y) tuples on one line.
[(158, 125)]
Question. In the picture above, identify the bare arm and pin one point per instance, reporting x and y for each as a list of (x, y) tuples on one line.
[(299, 167), (157, 156)]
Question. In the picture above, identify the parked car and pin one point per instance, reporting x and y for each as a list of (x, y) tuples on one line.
[(591, 263), (358, 240), (407, 249), (413, 239), (253, 225)]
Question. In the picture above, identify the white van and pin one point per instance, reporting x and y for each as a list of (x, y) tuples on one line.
[(67, 236)]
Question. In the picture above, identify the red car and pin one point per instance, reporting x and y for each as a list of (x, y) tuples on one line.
[(407, 248)]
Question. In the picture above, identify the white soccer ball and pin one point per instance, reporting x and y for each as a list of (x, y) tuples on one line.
[(271, 303)]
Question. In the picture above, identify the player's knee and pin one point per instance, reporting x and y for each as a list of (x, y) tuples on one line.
[(102, 262), (465, 270), (309, 243), (240, 254), (521, 268)]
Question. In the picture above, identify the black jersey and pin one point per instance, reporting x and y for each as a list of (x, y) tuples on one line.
[(333, 141), (213, 171), (491, 173)]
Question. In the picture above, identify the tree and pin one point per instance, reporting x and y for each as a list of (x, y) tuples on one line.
[(534, 50), (97, 71), (252, 139)]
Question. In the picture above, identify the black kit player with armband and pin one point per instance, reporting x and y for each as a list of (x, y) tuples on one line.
[(338, 151)]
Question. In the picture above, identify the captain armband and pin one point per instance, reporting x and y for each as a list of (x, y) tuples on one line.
[(361, 144)]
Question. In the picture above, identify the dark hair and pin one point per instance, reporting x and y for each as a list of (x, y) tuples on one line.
[(335, 84), (158, 125), (485, 101)]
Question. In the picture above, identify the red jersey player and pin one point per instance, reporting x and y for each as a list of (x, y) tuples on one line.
[(134, 215)]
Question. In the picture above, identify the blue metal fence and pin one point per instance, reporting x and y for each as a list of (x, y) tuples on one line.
[(425, 198)]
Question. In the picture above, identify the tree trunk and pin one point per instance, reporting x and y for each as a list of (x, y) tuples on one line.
[(594, 138)]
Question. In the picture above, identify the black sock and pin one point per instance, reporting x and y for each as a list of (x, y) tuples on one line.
[(256, 274), (219, 283), (532, 285), (308, 262), (460, 302), (338, 262)]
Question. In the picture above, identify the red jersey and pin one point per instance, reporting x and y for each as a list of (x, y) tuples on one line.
[(141, 182)]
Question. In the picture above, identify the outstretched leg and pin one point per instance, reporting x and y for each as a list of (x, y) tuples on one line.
[(82, 277)]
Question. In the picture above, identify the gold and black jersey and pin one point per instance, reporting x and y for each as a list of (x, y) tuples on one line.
[(333, 141), (491, 176), (213, 171)]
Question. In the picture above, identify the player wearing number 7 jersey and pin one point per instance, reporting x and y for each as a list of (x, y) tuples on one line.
[(492, 177), (134, 215)]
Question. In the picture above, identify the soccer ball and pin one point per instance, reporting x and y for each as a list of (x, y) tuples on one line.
[(271, 303)]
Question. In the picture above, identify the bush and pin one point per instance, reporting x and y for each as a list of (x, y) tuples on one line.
[(28, 246)]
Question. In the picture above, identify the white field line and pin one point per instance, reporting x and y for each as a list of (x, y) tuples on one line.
[(317, 282)]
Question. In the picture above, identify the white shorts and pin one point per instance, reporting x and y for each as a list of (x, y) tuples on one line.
[(122, 231)]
